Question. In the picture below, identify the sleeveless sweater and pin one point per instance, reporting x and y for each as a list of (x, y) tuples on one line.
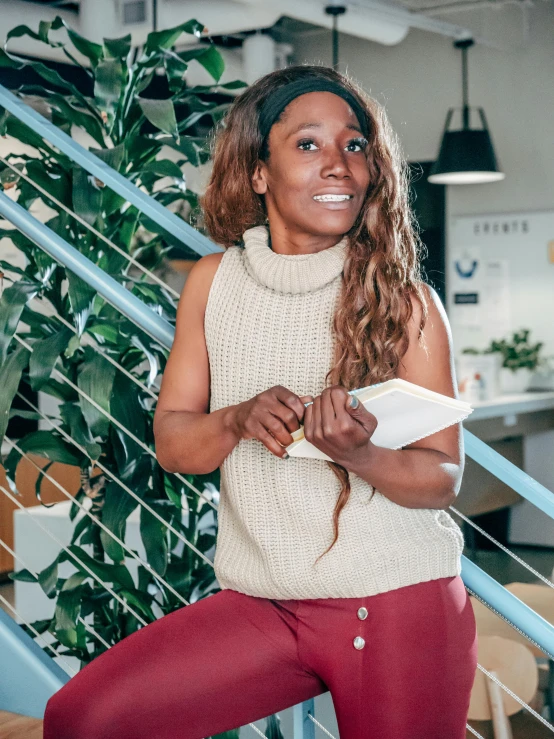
[(268, 321)]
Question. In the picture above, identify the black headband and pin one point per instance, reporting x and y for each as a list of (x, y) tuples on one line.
[(282, 96)]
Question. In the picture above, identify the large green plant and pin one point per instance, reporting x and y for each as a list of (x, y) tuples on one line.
[(129, 130)]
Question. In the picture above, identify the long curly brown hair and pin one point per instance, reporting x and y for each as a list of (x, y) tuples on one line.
[(382, 267)]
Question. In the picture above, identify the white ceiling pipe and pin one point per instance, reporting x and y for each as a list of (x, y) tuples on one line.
[(356, 21), (364, 19)]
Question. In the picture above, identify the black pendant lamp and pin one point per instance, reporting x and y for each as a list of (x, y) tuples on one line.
[(466, 156), (335, 9)]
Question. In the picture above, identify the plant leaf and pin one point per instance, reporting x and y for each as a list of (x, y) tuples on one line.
[(48, 577), (86, 195), (210, 58), (96, 377), (117, 574), (94, 52), (154, 537), (10, 377), (118, 506), (118, 47), (164, 168), (12, 302), (68, 607), (109, 79), (79, 431), (47, 444), (81, 298), (23, 575), (160, 113), (167, 38), (45, 353), (273, 727), (126, 408)]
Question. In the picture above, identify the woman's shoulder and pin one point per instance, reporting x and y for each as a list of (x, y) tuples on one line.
[(201, 276)]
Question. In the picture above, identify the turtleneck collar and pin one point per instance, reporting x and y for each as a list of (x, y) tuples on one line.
[(291, 273)]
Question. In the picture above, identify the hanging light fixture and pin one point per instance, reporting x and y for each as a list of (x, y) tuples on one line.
[(335, 9), (466, 156)]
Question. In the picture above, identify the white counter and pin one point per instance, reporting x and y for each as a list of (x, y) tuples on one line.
[(512, 404)]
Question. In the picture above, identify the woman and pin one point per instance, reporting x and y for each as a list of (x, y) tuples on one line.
[(317, 292)]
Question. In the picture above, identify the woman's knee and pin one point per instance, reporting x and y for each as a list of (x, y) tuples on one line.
[(74, 713)]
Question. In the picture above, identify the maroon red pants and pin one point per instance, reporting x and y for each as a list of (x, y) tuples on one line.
[(230, 659)]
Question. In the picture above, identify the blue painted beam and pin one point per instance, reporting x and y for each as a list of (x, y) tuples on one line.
[(28, 675), (53, 244), (510, 606), (509, 473), (170, 222), (303, 726)]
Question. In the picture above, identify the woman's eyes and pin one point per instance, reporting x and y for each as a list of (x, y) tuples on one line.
[(360, 142)]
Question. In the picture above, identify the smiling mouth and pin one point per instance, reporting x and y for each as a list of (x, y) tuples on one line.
[(332, 198)]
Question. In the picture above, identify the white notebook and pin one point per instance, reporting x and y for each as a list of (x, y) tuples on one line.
[(405, 413)]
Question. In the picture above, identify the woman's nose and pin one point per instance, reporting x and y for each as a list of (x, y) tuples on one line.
[(337, 163)]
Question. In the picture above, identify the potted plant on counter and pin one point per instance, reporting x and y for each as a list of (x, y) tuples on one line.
[(520, 358)]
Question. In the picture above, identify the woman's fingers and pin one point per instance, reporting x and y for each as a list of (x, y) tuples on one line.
[(327, 411), (271, 443)]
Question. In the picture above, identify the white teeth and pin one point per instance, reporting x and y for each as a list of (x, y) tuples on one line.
[(331, 198)]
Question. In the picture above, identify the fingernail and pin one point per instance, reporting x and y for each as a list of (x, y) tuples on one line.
[(353, 402), (286, 455)]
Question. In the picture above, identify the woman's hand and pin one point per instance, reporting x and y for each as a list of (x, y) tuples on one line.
[(341, 432), (270, 417)]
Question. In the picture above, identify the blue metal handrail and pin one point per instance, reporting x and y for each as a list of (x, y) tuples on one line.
[(170, 222), (504, 470), (53, 244)]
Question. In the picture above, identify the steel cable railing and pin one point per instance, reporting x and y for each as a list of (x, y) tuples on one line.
[(94, 518), (105, 285), (80, 619), (77, 559), (117, 423), (171, 223), (508, 551), (74, 557), (89, 340), (91, 228), (105, 470), (39, 636)]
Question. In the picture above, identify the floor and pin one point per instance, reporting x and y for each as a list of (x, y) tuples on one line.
[(13, 726), (496, 563)]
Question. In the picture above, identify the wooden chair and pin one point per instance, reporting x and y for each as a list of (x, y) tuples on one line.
[(515, 666)]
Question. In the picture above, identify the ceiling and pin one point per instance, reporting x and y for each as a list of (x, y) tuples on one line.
[(55, 3)]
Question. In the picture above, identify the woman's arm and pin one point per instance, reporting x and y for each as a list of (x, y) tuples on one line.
[(188, 438), (427, 473)]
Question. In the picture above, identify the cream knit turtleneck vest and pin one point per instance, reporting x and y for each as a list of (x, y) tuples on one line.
[(268, 322)]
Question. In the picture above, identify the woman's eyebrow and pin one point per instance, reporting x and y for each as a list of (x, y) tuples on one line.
[(351, 126)]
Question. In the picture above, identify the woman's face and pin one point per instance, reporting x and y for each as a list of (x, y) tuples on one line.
[(316, 149)]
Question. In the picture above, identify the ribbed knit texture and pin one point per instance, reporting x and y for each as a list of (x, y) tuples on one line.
[(269, 322)]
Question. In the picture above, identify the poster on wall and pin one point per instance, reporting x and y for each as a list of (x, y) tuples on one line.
[(500, 278), (496, 298), (466, 287)]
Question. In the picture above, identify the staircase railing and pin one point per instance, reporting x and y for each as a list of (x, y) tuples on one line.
[(504, 603)]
